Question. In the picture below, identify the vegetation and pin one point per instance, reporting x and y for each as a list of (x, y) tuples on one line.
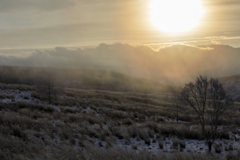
[(93, 123), (49, 87), (80, 78), (210, 103)]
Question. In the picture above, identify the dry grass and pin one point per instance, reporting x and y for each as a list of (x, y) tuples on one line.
[(8, 96), (20, 87), (160, 144), (177, 142), (40, 131), (231, 156), (35, 95), (218, 148)]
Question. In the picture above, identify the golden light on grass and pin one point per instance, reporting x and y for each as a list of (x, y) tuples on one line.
[(175, 15)]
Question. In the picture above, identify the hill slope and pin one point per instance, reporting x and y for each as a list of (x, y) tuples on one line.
[(232, 86), (80, 78)]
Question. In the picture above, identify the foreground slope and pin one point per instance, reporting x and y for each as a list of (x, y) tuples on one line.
[(103, 124)]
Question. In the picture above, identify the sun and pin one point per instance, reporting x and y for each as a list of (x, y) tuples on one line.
[(175, 15)]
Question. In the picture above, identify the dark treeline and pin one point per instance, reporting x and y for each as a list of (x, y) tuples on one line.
[(80, 78)]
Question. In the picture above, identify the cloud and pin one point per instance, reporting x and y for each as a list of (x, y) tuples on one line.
[(175, 64), (222, 37), (223, 2), (43, 23), (42, 5), (49, 23), (159, 46), (215, 42), (81, 33), (195, 42)]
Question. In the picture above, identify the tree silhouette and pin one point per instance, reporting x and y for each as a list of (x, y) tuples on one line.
[(49, 86), (211, 104)]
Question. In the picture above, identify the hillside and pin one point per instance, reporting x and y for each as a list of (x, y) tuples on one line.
[(80, 78), (100, 115), (99, 124), (232, 86)]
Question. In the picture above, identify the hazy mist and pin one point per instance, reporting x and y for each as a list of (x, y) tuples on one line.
[(176, 64)]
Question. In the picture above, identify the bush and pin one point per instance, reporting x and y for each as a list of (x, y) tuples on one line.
[(69, 110), (217, 148), (160, 144), (17, 131), (179, 142), (35, 95)]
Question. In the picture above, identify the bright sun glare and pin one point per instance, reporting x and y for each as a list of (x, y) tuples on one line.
[(175, 15)]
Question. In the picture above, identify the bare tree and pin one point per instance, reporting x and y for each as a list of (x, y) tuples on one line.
[(48, 86), (211, 104)]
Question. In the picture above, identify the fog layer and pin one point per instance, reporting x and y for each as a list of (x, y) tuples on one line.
[(173, 65)]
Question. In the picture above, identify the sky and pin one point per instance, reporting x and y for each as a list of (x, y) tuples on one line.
[(118, 35), (31, 24)]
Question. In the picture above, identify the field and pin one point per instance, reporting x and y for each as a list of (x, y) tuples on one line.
[(105, 124), (120, 80)]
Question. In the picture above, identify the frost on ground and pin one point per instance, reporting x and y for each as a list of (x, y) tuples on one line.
[(23, 96), (107, 125), (18, 96), (191, 146)]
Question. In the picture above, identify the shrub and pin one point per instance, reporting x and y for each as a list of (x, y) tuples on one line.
[(217, 148), (25, 96), (35, 95), (160, 144), (143, 134), (179, 142), (17, 131), (134, 147)]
